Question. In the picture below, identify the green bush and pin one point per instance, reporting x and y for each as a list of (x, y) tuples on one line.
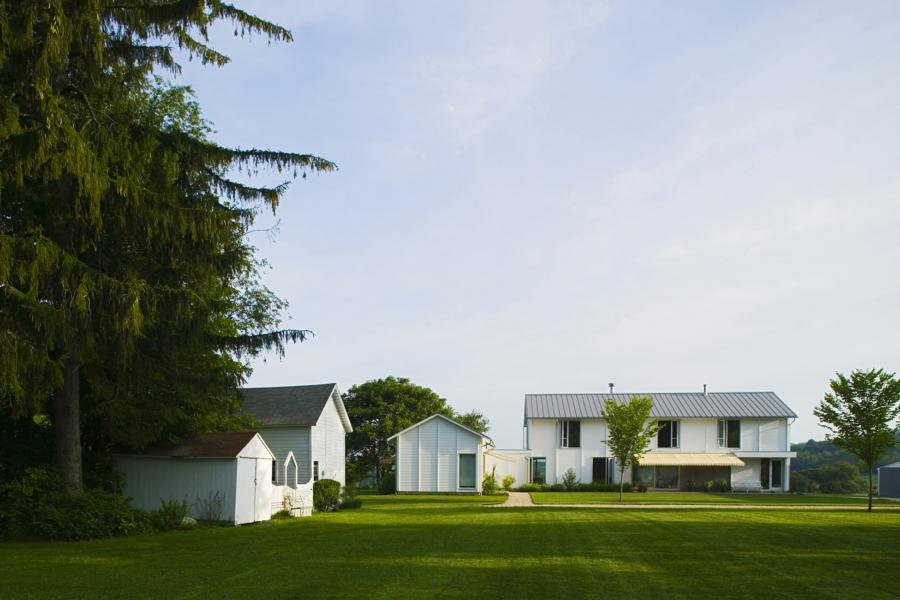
[(626, 487), (35, 506), (508, 482), (281, 515), (170, 515), (641, 488), (350, 503), (570, 480), (326, 495), (721, 486), (388, 484), (489, 485), (557, 487), (597, 487), (534, 487)]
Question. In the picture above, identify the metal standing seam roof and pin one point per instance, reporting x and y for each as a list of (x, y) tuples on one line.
[(667, 404), (291, 405)]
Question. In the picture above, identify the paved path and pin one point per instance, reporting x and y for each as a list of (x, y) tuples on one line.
[(523, 500)]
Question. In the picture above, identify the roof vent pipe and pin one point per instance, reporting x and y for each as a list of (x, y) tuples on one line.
[(611, 386), (704, 390)]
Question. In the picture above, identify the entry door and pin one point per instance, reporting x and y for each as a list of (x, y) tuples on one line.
[(600, 474), (764, 473), (467, 471)]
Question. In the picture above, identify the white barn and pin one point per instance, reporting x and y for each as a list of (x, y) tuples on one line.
[(231, 471), (889, 480), (440, 455)]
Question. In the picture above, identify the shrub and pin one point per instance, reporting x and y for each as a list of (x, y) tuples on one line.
[(170, 514), (489, 485), (281, 515), (388, 484), (350, 503), (534, 487), (597, 487), (326, 495), (722, 486), (570, 480), (641, 487), (557, 487), (212, 508), (690, 486), (627, 487), (707, 486), (508, 482)]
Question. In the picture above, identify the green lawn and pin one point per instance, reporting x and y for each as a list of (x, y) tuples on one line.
[(448, 547), (698, 498)]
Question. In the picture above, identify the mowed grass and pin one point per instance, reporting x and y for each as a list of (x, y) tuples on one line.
[(448, 547), (701, 498)]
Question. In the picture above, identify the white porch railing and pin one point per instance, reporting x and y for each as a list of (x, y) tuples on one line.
[(299, 500)]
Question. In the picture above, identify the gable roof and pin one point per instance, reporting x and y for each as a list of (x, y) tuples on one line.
[(678, 405), (293, 405), (202, 445), (440, 416)]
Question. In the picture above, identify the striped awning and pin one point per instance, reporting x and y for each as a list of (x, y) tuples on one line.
[(690, 459)]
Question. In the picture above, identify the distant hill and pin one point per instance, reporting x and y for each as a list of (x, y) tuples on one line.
[(813, 454)]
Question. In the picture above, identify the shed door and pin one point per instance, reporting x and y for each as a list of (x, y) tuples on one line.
[(467, 471)]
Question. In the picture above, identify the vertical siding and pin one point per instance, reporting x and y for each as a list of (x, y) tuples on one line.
[(408, 462), (149, 480), (428, 453), (446, 464), (282, 440), (328, 444)]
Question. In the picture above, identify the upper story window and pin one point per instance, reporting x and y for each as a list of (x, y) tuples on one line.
[(668, 435), (570, 434), (315, 470), (729, 433), (274, 472)]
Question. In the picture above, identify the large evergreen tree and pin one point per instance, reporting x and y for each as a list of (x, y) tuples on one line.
[(124, 275)]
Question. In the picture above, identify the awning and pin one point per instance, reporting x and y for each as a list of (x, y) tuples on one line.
[(690, 459)]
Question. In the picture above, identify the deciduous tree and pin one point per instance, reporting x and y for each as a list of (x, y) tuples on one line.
[(629, 431), (860, 414)]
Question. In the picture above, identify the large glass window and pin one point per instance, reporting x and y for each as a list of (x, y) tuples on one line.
[(570, 434), (667, 478), (467, 470), (539, 470), (668, 435), (729, 433)]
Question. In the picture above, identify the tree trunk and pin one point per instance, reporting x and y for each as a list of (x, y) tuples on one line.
[(870, 487), (621, 482), (67, 422)]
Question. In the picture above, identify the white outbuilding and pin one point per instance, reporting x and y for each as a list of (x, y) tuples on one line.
[(438, 454), (222, 476), (889, 480)]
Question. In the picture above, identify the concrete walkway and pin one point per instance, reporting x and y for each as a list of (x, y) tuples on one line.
[(523, 500)]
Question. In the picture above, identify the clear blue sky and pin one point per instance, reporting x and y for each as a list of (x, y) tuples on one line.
[(549, 196)]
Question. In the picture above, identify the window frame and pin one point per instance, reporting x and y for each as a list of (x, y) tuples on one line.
[(459, 465), (673, 431), (724, 438), (315, 470), (274, 472), (542, 460), (565, 433)]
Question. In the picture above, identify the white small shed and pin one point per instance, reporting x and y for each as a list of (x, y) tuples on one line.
[(222, 476), (440, 455)]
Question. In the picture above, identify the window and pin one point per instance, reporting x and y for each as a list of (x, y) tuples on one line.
[(729, 433), (668, 435), (315, 470), (539, 470), (570, 434), (274, 472), (467, 471)]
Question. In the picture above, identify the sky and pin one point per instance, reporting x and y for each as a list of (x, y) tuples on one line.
[(547, 196)]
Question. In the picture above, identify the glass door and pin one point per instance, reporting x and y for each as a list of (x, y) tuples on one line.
[(777, 469), (764, 473), (467, 471)]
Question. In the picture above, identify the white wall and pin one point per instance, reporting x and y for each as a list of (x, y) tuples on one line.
[(328, 444), (507, 462), (427, 457), (149, 480)]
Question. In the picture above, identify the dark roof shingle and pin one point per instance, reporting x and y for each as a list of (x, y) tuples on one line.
[(202, 445), (289, 405), (680, 405)]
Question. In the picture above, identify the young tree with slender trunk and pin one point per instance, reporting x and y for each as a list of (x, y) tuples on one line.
[(629, 431), (860, 414)]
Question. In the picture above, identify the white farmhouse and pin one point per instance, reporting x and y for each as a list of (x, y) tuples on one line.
[(740, 437), (307, 422)]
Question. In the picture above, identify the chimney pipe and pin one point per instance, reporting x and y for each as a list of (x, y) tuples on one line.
[(704, 390), (611, 386)]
